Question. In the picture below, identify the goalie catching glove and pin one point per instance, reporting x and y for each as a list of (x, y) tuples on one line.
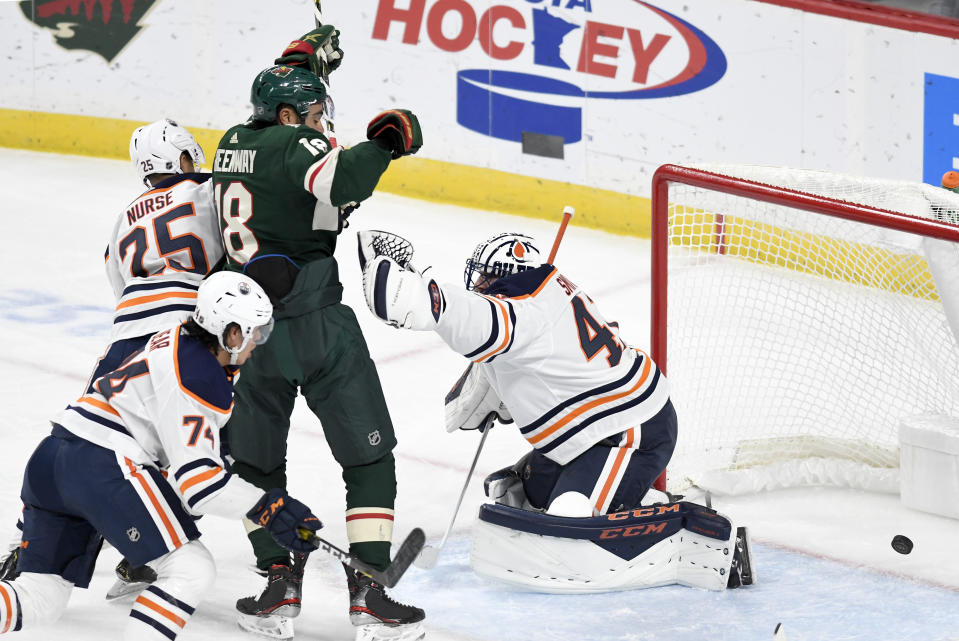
[(282, 515), (401, 297), (319, 51), (397, 131), (395, 292)]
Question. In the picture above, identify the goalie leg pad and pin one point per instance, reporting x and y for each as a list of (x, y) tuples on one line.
[(645, 547)]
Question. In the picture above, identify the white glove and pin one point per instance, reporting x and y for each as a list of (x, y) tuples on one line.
[(472, 400), (400, 297)]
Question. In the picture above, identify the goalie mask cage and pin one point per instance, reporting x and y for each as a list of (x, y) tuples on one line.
[(796, 318)]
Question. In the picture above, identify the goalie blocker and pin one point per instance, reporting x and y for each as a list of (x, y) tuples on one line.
[(674, 543)]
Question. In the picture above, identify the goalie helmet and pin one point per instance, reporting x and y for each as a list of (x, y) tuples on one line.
[(156, 149), (298, 88), (229, 297), (501, 255)]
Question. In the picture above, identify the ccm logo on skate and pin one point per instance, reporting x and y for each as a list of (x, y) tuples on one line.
[(546, 51), (634, 530)]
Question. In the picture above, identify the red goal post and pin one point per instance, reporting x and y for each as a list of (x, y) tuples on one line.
[(752, 270)]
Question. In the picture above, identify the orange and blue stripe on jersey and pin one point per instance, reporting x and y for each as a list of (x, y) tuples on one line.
[(200, 479), (559, 430), (97, 410), (145, 300), (501, 335)]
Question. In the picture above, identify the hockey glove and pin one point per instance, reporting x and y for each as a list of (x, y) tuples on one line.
[(282, 516), (473, 401), (400, 297), (319, 51), (397, 131)]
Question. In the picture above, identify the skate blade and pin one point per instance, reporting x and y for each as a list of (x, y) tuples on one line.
[(121, 589), (382, 632), (270, 626)]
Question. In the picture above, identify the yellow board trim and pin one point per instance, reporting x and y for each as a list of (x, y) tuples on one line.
[(802, 252), (422, 178)]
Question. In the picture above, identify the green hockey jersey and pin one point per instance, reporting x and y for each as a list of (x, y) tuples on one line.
[(279, 188)]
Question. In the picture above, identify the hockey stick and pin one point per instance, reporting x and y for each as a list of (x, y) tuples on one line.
[(428, 557), (567, 214), (318, 18), (390, 576)]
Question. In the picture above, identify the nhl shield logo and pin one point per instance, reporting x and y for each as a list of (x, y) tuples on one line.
[(101, 26), (133, 534), (374, 438)]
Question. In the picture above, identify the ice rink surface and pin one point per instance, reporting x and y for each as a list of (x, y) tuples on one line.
[(825, 567)]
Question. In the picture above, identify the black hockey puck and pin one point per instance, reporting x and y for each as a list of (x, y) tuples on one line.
[(901, 544)]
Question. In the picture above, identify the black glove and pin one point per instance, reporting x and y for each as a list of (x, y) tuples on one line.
[(397, 131), (282, 516), (319, 51)]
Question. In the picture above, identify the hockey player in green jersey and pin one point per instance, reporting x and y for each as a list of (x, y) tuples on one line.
[(282, 185)]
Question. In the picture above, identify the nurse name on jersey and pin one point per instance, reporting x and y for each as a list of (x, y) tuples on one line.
[(148, 205), (234, 161)]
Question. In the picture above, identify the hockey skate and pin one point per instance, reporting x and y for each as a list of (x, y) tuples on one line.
[(376, 616), (130, 580), (271, 614), (8, 565), (741, 572)]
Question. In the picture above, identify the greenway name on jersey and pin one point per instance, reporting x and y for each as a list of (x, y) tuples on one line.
[(234, 161)]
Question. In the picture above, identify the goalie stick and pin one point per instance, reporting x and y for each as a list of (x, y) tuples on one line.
[(389, 576), (567, 214), (430, 554)]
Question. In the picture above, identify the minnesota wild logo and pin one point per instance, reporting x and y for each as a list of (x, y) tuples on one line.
[(104, 27)]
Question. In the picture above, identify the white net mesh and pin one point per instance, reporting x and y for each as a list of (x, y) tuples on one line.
[(797, 341)]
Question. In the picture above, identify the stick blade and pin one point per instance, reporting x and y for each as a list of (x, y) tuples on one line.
[(410, 548), (427, 558)]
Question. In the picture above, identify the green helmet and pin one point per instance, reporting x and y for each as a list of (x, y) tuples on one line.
[(282, 85)]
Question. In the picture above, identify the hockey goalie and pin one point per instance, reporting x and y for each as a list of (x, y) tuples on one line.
[(577, 513)]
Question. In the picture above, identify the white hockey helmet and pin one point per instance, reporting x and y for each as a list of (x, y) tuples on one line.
[(230, 297), (156, 149), (501, 255)]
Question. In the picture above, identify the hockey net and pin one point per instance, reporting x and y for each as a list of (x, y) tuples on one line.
[(798, 323)]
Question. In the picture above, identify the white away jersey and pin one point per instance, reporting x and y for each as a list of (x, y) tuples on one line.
[(165, 406), (162, 246), (560, 368)]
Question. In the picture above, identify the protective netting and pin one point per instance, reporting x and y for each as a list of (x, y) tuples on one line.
[(797, 341), (385, 243)]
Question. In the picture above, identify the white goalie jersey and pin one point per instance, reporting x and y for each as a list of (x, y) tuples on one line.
[(162, 246), (561, 369), (164, 407)]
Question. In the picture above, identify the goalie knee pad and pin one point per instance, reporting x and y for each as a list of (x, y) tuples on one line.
[(677, 543), (572, 504), (33, 599)]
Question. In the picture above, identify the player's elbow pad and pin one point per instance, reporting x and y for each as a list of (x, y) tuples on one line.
[(400, 297)]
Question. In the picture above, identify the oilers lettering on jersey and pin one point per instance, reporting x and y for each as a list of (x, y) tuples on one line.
[(164, 407), (162, 246), (562, 370)]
